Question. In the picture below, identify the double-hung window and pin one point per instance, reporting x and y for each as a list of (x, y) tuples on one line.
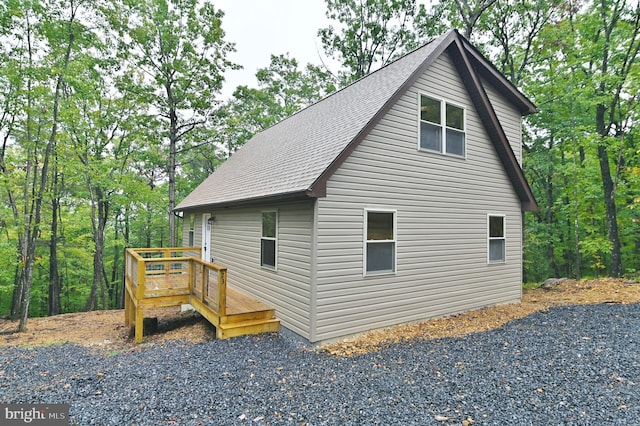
[(192, 230), (380, 242), (441, 127), (497, 239), (269, 239)]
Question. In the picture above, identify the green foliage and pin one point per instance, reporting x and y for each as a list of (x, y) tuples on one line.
[(371, 33), (283, 88)]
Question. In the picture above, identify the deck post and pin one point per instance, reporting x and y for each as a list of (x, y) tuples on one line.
[(192, 275), (139, 324), (222, 291), (140, 285), (127, 307), (204, 282), (140, 288)]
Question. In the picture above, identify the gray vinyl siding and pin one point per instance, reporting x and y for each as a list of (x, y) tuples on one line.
[(235, 244), (505, 112), (442, 204)]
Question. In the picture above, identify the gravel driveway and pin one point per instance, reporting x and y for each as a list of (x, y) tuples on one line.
[(572, 365)]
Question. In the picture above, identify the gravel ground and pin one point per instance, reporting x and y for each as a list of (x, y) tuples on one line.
[(569, 365)]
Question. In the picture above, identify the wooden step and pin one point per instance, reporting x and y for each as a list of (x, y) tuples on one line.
[(225, 331), (264, 314)]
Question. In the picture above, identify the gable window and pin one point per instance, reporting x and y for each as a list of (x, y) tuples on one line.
[(192, 230), (497, 239), (380, 242), (268, 241), (441, 127)]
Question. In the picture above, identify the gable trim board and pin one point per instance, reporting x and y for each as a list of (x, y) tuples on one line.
[(493, 127), (273, 181)]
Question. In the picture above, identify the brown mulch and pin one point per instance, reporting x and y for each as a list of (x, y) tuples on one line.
[(106, 329), (568, 292)]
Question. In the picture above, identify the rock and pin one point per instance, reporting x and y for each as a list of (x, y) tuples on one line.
[(442, 418), (551, 283), (631, 281)]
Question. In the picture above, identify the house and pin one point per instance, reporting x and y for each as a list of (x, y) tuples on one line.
[(395, 199)]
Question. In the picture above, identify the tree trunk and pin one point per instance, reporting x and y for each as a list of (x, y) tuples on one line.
[(18, 285), (173, 141), (53, 305), (33, 228), (100, 210), (611, 210), (127, 230), (114, 299)]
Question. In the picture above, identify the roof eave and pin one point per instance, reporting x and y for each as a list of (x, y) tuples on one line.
[(251, 201)]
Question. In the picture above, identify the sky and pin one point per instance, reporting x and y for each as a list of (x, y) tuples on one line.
[(260, 28)]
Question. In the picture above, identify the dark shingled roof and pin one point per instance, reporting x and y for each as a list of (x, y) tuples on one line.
[(296, 157)]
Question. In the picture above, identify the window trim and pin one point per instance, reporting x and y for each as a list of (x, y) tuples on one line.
[(394, 271), (443, 125), (275, 239), (490, 238)]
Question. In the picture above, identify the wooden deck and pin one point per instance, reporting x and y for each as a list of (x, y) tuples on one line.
[(176, 276)]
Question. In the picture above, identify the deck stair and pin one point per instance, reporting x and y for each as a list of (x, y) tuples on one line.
[(176, 276)]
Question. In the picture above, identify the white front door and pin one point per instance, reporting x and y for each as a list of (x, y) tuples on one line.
[(206, 237)]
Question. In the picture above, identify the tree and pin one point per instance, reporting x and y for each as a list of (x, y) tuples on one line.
[(100, 127), (179, 47), (283, 88), (610, 33), (470, 13), (515, 27), (370, 33), (583, 81), (54, 29)]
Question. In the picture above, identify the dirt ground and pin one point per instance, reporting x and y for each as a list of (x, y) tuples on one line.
[(106, 329)]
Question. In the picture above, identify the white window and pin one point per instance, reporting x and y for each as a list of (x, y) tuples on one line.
[(441, 127), (269, 239), (380, 242), (496, 245), (192, 229)]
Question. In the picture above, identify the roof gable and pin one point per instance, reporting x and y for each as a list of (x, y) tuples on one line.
[(298, 155)]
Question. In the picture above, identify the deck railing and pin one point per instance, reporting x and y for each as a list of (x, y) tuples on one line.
[(174, 276), (209, 284), (153, 274)]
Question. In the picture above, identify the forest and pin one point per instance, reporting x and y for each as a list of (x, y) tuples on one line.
[(110, 113)]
